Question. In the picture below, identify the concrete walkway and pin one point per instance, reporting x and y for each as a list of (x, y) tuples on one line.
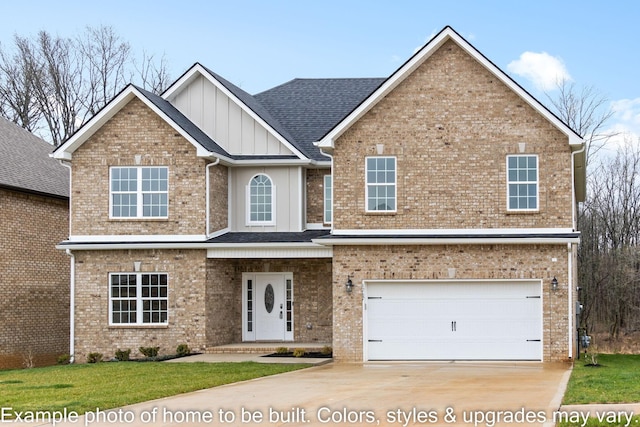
[(384, 394)]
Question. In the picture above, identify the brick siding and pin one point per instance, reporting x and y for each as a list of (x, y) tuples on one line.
[(34, 290)]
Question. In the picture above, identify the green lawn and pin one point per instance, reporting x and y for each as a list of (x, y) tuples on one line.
[(617, 380), (83, 388)]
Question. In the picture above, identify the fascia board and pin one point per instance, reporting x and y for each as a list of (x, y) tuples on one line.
[(199, 69)]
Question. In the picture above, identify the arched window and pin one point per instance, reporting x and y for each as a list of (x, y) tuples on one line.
[(261, 192)]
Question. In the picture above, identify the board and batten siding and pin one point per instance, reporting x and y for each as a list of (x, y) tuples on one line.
[(225, 121), (288, 207)]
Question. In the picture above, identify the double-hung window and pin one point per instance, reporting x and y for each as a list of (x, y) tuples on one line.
[(328, 191), (138, 298), (139, 192), (381, 184), (522, 183)]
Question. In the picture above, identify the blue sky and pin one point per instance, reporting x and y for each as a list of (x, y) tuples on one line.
[(260, 44)]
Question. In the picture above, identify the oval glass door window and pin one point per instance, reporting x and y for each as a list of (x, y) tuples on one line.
[(269, 298)]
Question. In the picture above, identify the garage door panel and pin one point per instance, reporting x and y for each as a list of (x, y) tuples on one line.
[(454, 320)]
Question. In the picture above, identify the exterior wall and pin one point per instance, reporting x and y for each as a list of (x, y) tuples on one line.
[(315, 195), (312, 295), (224, 121), (137, 130), (288, 182), (218, 198), (451, 124), (187, 316), (34, 291), (434, 262)]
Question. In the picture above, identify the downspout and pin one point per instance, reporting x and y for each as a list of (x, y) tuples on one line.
[(72, 279), (208, 196), (72, 303), (574, 221), (570, 292)]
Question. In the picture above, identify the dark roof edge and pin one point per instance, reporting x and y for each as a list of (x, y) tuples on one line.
[(33, 192)]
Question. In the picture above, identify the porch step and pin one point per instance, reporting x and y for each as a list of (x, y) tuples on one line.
[(262, 348)]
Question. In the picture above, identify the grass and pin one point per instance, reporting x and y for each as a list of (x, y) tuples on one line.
[(83, 388), (616, 380)]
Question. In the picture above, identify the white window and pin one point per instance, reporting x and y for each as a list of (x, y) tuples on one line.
[(522, 183), (139, 192), (261, 194), (381, 184), (328, 189), (138, 298)]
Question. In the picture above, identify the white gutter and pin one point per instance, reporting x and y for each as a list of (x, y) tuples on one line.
[(208, 195), (448, 241), (72, 303)]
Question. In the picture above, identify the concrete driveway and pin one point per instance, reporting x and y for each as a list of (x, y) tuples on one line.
[(379, 394)]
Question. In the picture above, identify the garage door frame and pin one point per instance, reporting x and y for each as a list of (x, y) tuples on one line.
[(366, 283)]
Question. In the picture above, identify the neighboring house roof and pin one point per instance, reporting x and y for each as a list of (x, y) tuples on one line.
[(309, 108), (26, 165)]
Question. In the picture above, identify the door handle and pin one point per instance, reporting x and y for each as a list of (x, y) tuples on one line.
[(454, 326), (281, 314)]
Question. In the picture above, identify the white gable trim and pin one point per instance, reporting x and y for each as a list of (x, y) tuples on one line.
[(327, 142), (198, 69), (65, 152)]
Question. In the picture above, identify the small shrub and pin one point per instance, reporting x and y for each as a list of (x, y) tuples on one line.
[(282, 350), (123, 355), (94, 358), (183, 350), (151, 352), (64, 359), (299, 352), (327, 350)]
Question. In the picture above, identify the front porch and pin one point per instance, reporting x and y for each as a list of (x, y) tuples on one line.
[(263, 347)]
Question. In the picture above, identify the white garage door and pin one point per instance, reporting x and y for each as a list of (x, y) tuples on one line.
[(462, 320)]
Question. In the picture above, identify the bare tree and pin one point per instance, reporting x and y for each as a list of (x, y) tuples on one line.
[(585, 110), (53, 84)]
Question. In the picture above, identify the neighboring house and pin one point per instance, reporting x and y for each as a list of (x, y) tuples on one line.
[(422, 216), (34, 217)]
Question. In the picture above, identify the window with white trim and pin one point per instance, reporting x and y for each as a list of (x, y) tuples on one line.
[(261, 196), (522, 183), (381, 184), (139, 192), (328, 209), (138, 298)]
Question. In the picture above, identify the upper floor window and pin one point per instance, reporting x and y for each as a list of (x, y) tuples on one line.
[(522, 182), (138, 298), (261, 197), (381, 184), (328, 187), (139, 192)]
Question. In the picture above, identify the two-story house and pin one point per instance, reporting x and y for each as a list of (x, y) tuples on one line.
[(428, 215)]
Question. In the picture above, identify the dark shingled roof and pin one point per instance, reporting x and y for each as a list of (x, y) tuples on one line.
[(275, 237), (25, 163), (310, 108)]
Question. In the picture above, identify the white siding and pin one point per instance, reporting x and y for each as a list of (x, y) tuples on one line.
[(225, 121), (287, 182)]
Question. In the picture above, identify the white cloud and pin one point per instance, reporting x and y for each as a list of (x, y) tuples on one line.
[(625, 123), (543, 70)]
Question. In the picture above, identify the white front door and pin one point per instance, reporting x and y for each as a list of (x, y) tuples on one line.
[(267, 307)]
